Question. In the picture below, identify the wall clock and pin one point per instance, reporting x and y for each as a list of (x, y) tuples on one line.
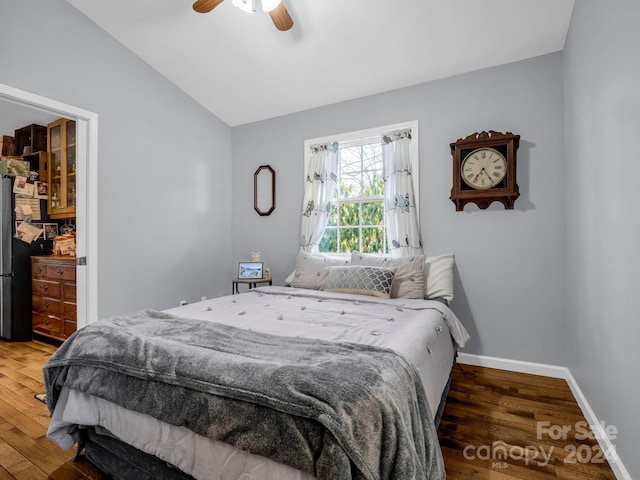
[(484, 169)]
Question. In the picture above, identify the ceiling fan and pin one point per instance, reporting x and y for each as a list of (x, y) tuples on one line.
[(275, 8)]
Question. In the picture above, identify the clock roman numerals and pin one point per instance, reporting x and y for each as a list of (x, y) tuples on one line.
[(483, 168)]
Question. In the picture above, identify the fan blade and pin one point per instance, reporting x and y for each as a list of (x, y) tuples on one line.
[(281, 18), (204, 6)]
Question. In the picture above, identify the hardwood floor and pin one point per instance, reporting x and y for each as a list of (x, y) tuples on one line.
[(482, 411), (25, 452), (504, 425)]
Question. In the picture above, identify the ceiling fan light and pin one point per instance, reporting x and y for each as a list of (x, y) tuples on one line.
[(268, 5), (245, 5)]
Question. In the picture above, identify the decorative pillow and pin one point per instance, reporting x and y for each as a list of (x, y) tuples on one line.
[(363, 280), (438, 274), (311, 269), (289, 279), (408, 281)]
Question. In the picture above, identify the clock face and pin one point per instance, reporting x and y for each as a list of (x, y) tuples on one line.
[(483, 168)]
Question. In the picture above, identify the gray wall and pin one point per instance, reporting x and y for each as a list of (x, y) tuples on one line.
[(164, 162), (510, 264), (602, 114)]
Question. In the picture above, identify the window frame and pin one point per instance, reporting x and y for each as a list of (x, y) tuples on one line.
[(374, 134)]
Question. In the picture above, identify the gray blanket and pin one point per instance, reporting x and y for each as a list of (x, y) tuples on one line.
[(333, 410)]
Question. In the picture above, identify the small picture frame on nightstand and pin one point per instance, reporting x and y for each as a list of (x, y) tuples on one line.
[(250, 270)]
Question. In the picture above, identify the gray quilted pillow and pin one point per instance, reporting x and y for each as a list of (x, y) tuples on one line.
[(375, 281), (409, 278)]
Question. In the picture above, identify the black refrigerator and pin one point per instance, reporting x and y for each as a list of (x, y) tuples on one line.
[(15, 267)]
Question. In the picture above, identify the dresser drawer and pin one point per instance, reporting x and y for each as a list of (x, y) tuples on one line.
[(69, 328), (69, 292), (38, 269), (46, 288), (61, 272), (47, 323), (45, 305), (69, 311)]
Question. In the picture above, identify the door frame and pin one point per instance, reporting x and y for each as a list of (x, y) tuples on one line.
[(86, 191)]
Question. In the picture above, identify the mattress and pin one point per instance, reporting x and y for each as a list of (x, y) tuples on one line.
[(426, 333)]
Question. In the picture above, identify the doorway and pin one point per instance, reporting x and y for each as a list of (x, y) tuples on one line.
[(86, 191)]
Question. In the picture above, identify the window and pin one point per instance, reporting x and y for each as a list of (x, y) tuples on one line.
[(356, 220)]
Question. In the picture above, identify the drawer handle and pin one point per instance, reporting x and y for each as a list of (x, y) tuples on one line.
[(40, 268), (60, 271), (44, 288), (46, 305)]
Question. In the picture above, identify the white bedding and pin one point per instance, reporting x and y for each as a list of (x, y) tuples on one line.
[(425, 332)]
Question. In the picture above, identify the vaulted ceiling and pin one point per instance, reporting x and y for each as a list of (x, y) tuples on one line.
[(239, 67)]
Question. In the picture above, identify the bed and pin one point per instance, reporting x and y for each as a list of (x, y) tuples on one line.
[(275, 383)]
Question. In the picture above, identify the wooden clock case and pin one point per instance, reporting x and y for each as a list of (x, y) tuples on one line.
[(506, 191)]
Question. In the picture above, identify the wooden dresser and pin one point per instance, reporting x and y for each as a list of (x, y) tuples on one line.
[(53, 290)]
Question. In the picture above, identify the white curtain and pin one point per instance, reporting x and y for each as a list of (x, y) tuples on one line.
[(401, 217), (319, 188)]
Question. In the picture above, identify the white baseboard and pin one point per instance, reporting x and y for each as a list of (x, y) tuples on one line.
[(555, 371), (514, 365)]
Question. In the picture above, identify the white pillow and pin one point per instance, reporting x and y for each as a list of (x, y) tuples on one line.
[(408, 281), (289, 279), (312, 268), (438, 274)]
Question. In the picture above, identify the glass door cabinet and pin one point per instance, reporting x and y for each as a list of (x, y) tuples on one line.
[(61, 141)]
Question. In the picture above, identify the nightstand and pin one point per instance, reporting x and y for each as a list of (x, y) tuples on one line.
[(252, 282)]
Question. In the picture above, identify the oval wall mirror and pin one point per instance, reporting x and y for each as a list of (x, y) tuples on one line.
[(264, 190)]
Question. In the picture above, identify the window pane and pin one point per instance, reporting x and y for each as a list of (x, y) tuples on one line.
[(349, 240), (373, 213), (349, 214), (350, 172), (373, 183), (332, 221), (329, 242), (373, 240), (372, 156)]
